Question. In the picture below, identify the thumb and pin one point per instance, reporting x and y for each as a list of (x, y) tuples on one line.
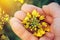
[(56, 28), (52, 9)]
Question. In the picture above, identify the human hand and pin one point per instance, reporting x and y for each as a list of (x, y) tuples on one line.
[(20, 15), (53, 10)]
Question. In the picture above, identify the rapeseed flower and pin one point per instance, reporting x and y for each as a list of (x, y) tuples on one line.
[(36, 24)]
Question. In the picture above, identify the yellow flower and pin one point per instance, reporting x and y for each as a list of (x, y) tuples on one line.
[(35, 13), (35, 29), (42, 17), (39, 33), (35, 22), (21, 1), (28, 15), (44, 24), (39, 26), (1, 27), (47, 29), (26, 18)]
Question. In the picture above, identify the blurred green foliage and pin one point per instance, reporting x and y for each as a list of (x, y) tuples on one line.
[(8, 31), (40, 3)]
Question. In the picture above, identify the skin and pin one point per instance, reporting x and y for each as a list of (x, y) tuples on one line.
[(52, 13)]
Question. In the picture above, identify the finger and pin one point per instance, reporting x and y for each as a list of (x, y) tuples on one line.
[(52, 9), (44, 38), (50, 35), (20, 15), (56, 28), (46, 9), (29, 8), (18, 28), (40, 10), (49, 19)]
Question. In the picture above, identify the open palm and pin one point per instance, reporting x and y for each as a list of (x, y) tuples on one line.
[(49, 11)]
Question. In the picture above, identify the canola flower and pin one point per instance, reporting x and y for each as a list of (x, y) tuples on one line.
[(4, 17), (21, 1), (35, 23)]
